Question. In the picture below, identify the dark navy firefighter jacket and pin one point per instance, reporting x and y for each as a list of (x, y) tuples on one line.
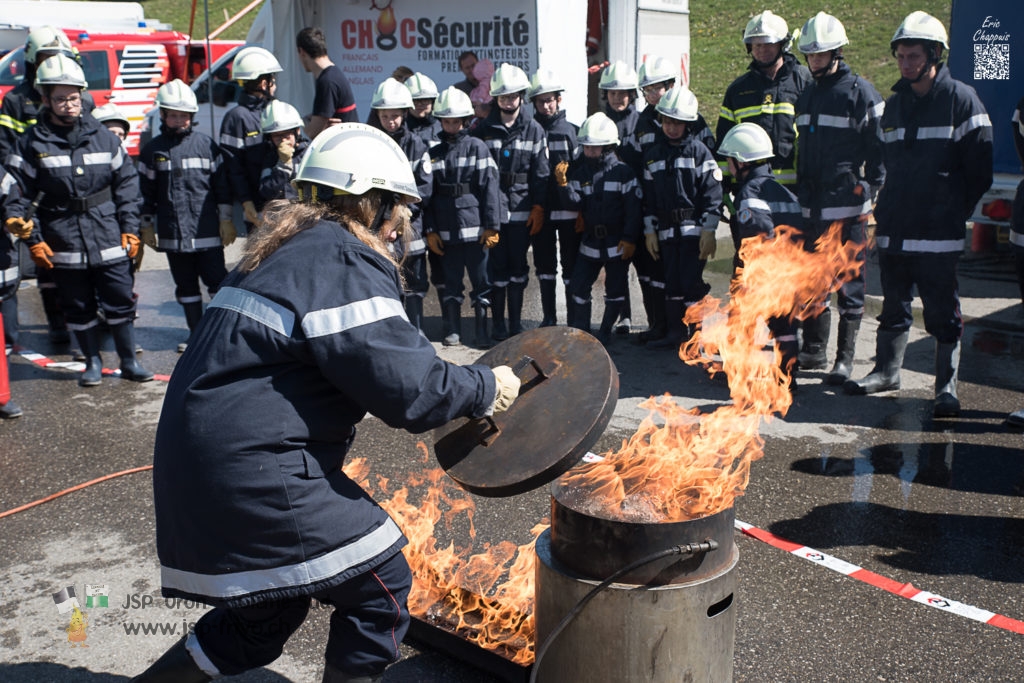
[(10, 273), (276, 178), (521, 154), (185, 188), (938, 160), (607, 192), (465, 199), (562, 146), (91, 191), (762, 203), (682, 187), (241, 143), (250, 509)]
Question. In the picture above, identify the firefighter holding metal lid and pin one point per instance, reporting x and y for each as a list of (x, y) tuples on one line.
[(256, 517)]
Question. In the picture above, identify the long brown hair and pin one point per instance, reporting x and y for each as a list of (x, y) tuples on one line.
[(283, 219)]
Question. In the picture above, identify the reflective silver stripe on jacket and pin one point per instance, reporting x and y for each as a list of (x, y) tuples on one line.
[(465, 234), (232, 141), (335, 320), (189, 245), (1016, 238), (196, 162), (10, 275), (835, 213), (71, 258), (518, 216), (235, 584), (688, 229), (259, 308), (98, 159), (605, 253), (564, 215), (924, 246)]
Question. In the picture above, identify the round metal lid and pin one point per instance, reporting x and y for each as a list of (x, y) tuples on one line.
[(569, 390)]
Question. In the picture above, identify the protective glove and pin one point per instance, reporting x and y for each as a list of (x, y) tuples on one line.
[(435, 244), (708, 244), (628, 249), (285, 151), (580, 225), (651, 242), (227, 232), (130, 243), (148, 235), (490, 239), (507, 385), (41, 254), (536, 220), (250, 212), (19, 227), (561, 168)]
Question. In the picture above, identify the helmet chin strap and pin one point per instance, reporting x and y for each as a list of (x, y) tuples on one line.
[(825, 70), (387, 205)]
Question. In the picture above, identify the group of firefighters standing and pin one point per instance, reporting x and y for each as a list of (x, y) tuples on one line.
[(803, 146)]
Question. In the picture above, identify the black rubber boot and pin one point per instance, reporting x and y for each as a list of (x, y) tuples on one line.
[(193, 313), (89, 341), (58, 328), (814, 354), (890, 346), (481, 339), (581, 315), (414, 310), (499, 331), (654, 303), (947, 367), (612, 309), (452, 318), (124, 342), (846, 341), (174, 666), (624, 324), (515, 308), (547, 303), (675, 328), (333, 675)]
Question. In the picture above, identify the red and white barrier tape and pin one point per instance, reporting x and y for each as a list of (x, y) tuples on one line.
[(904, 590), (72, 366)]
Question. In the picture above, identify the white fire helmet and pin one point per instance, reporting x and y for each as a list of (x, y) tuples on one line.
[(391, 94), (657, 70), (177, 96), (111, 112), (618, 76), (354, 158), (46, 39), (279, 116), (822, 33), (60, 70), (509, 79), (921, 26), (678, 103), (770, 27), (453, 104), (252, 62), (746, 142), (543, 82), (421, 87), (598, 129)]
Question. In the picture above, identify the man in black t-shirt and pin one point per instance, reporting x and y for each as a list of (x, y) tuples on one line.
[(333, 102)]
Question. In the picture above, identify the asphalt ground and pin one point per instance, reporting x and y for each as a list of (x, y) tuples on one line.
[(873, 481)]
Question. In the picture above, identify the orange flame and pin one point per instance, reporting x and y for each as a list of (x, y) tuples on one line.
[(688, 464), (453, 587), (680, 464)]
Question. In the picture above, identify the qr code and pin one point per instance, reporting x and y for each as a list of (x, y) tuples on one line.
[(991, 61)]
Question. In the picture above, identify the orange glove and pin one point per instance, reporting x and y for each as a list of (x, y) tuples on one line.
[(536, 220), (628, 248), (580, 227), (19, 227), (435, 244), (130, 243), (561, 168), (489, 238), (41, 254)]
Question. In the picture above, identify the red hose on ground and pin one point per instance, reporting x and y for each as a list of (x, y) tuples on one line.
[(52, 496)]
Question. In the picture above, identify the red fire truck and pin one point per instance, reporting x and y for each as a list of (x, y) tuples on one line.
[(127, 68)]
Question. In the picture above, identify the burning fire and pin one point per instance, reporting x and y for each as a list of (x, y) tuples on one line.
[(690, 464), (686, 464), (452, 587)]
